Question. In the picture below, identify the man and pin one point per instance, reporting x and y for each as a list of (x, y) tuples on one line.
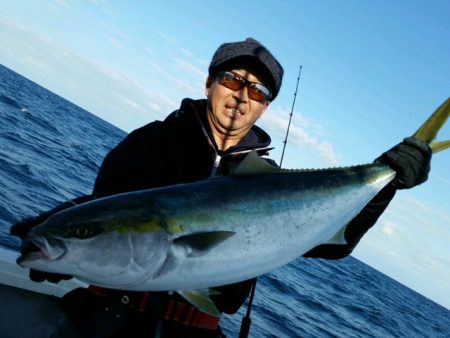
[(203, 138)]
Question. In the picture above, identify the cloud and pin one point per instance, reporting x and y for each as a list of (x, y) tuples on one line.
[(388, 228), (116, 36), (58, 5), (189, 79), (303, 132), (45, 61), (326, 153), (169, 39), (129, 102), (443, 179), (190, 69), (202, 62), (409, 222), (186, 52), (115, 42), (150, 51), (416, 236), (99, 2)]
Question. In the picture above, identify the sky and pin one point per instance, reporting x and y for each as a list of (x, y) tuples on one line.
[(371, 73)]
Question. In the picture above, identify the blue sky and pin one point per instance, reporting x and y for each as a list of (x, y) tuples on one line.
[(372, 71)]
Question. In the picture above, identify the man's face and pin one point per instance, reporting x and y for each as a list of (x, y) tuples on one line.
[(231, 113)]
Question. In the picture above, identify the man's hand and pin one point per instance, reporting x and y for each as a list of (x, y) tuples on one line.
[(410, 159), (22, 228), (42, 276)]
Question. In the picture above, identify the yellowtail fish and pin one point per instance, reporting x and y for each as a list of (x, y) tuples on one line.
[(213, 232)]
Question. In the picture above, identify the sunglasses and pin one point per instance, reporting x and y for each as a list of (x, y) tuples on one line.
[(256, 91)]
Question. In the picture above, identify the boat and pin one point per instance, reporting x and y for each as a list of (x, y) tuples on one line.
[(28, 309)]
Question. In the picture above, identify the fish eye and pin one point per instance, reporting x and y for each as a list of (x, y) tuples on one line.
[(82, 231)]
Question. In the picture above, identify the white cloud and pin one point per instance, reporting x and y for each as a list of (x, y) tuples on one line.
[(99, 2), (150, 51), (188, 80), (202, 62), (303, 133), (131, 103), (169, 39), (326, 153), (443, 179), (393, 254), (116, 36), (52, 65), (115, 42), (189, 68), (387, 228), (416, 236), (186, 52), (58, 5)]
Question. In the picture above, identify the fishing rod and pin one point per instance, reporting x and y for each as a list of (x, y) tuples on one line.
[(247, 321), (290, 115)]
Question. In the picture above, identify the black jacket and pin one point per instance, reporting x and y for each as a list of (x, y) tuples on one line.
[(177, 150), (181, 149)]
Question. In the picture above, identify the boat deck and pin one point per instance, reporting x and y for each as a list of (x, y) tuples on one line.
[(28, 309)]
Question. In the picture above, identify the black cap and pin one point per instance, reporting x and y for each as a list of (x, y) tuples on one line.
[(245, 53)]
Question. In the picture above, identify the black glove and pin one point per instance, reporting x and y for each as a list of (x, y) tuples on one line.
[(21, 229), (410, 160), (41, 276)]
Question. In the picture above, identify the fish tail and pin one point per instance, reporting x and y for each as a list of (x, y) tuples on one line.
[(439, 146), (429, 129)]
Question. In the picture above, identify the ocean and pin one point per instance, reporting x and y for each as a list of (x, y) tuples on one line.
[(50, 151)]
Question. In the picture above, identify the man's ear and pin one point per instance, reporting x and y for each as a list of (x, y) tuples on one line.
[(208, 84), (266, 105)]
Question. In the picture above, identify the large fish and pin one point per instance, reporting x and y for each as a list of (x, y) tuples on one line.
[(209, 233)]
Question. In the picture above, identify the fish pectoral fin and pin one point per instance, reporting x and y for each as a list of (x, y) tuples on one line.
[(338, 238), (201, 300), (199, 243)]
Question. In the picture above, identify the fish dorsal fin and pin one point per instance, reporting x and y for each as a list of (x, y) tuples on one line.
[(199, 243), (252, 164)]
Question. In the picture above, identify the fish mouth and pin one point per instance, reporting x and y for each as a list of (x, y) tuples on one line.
[(40, 248)]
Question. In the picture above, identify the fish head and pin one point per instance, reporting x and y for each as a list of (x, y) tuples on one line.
[(110, 252)]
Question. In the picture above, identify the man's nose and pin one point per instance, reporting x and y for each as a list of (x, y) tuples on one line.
[(241, 95)]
